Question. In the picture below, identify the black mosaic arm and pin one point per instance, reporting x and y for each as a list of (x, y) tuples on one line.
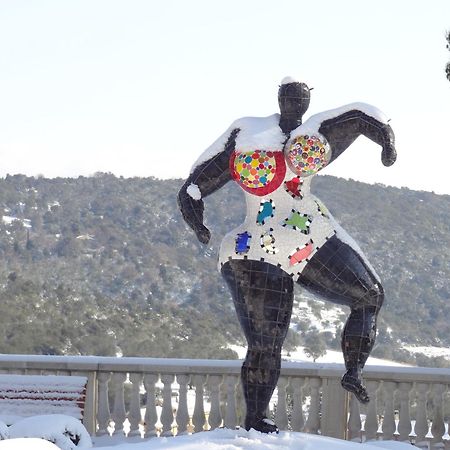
[(341, 132), (209, 176)]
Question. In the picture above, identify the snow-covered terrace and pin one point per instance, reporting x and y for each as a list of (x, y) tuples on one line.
[(150, 397)]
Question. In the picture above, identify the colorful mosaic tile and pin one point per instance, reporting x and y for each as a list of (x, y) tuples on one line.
[(293, 187), (266, 210), (258, 172), (267, 242), (298, 221), (243, 243), (301, 253), (306, 155)]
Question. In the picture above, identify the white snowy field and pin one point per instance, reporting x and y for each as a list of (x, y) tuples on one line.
[(331, 356), (221, 439)]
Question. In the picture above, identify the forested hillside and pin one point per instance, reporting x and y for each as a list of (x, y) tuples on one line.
[(105, 265)]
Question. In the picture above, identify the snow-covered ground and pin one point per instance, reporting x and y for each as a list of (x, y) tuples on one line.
[(331, 356), (429, 351), (223, 439)]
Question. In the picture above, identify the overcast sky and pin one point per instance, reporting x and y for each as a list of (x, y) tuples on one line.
[(141, 88)]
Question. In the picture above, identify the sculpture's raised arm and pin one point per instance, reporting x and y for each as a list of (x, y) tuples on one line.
[(356, 119), (209, 174)]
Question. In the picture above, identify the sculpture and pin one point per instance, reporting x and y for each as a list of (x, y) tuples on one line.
[(288, 235)]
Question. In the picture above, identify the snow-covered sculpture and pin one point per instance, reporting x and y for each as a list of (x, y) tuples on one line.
[(288, 235)]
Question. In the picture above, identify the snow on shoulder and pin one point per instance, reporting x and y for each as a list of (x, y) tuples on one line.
[(313, 124), (261, 133)]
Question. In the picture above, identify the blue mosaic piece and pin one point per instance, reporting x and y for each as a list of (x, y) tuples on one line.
[(243, 243), (266, 209)]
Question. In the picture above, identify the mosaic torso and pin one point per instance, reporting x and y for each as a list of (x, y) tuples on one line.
[(285, 224)]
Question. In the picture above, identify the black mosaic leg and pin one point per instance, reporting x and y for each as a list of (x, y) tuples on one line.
[(339, 274), (263, 298)]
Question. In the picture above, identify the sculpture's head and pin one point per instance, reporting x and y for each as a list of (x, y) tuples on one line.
[(293, 98)]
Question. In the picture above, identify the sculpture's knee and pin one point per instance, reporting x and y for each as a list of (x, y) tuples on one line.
[(265, 358), (374, 297)]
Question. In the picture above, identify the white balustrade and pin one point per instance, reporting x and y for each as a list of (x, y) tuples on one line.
[(182, 410), (354, 421), (371, 424), (119, 414), (207, 395), (134, 415), (281, 417)]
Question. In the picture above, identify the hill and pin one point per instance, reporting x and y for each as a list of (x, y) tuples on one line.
[(105, 265)]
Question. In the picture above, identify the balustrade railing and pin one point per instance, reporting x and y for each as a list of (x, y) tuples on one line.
[(153, 397)]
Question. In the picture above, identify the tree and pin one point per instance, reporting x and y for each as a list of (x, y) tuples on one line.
[(447, 69), (315, 345)]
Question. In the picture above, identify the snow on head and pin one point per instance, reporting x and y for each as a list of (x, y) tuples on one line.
[(288, 80)]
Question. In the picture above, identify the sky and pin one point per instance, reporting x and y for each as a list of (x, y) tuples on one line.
[(141, 88)]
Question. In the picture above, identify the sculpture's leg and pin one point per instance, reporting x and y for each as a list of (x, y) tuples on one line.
[(263, 298), (339, 273)]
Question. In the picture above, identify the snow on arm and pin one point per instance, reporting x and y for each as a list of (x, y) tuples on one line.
[(313, 124), (194, 191)]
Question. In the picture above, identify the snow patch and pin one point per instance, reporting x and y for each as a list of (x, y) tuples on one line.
[(288, 80), (194, 191), (65, 432), (312, 125), (8, 220)]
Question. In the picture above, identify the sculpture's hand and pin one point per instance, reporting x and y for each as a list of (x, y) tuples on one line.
[(388, 155), (202, 233)]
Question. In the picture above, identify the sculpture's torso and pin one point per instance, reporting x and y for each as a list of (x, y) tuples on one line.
[(285, 224)]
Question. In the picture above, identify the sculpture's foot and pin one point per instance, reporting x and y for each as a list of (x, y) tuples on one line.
[(353, 384), (263, 425)]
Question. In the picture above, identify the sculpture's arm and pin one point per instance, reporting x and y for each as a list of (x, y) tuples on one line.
[(342, 130), (206, 178)]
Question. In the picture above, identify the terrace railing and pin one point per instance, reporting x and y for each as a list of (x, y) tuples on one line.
[(153, 397)]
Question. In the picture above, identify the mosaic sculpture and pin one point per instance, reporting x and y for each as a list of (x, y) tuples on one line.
[(288, 235)]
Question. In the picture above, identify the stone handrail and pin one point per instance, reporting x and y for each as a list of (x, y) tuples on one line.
[(157, 396)]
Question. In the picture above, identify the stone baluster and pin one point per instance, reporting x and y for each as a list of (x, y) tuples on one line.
[(389, 418), (167, 410), (334, 409), (151, 416), (421, 427), (134, 415), (215, 417), (103, 413), (438, 427), (182, 411), (404, 424), (354, 420), (313, 422), (119, 414), (281, 417), (198, 418), (230, 412), (371, 425), (297, 420), (241, 407)]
